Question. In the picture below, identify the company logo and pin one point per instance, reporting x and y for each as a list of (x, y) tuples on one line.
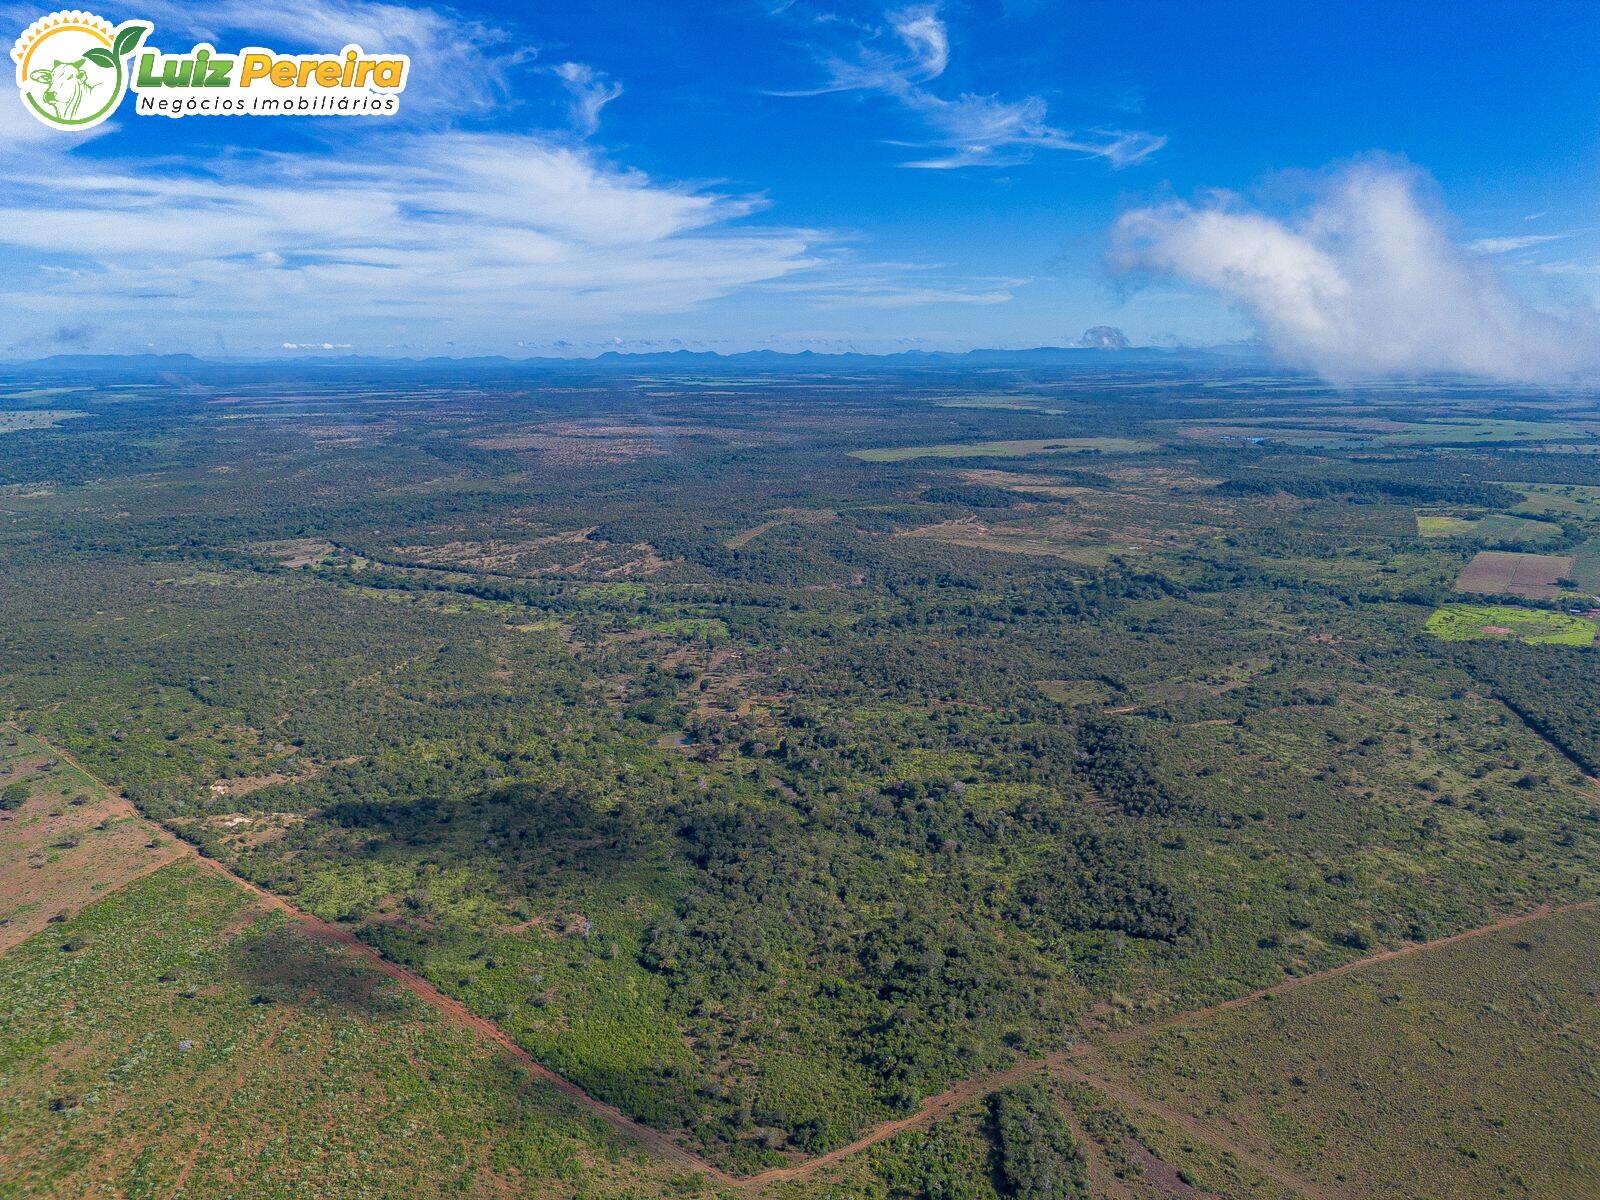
[(74, 68)]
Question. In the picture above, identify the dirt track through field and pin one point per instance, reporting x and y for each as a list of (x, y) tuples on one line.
[(323, 931), (1061, 1061), (932, 1109), (1128, 1098)]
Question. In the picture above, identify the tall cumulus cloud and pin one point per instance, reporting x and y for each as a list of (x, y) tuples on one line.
[(1365, 280)]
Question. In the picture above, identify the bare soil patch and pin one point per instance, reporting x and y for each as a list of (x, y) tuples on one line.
[(57, 856), (571, 552), (1502, 572), (299, 552)]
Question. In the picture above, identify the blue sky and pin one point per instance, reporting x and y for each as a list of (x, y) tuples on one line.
[(570, 177)]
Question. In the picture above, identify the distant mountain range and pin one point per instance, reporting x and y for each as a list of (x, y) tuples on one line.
[(802, 362)]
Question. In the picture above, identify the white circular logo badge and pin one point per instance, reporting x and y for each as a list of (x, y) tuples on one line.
[(72, 67)]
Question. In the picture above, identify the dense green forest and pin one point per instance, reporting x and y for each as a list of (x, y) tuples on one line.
[(763, 790)]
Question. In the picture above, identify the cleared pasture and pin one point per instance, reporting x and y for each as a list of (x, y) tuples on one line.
[(1495, 527), (17, 420), (1472, 622), (1459, 1073)]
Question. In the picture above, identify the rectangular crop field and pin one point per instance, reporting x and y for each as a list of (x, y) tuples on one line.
[(1498, 527), (1586, 565), (1430, 526), (1537, 576)]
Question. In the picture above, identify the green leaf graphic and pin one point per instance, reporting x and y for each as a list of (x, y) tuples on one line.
[(100, 57), (128, 39)]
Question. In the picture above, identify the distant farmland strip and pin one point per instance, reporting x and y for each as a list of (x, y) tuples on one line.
[(1011, 449)]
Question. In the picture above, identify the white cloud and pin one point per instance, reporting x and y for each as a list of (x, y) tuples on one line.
[(1509, 245), (413, 233), (590, 92), (984, 131), (1364, 281), (925, 36), (487, 231), (22, 134), (388, 231), (969, 129)]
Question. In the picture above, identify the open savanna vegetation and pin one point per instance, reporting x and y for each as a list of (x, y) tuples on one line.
[(15, 420), (1465, 1071), (800, 804), (1487, 431), (1555, 501)]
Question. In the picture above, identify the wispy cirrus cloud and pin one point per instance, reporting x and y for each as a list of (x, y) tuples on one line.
[(481, 232), (1365, 280), (897, 285), (389, 231), (1510, 245), (911, 48), (979, 131), (590, 91)]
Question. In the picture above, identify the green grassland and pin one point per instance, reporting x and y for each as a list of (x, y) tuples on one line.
[(1461, 432), (1040, 404), (171, 1038), (1339, 431), (16, 420), (1459, 1073), (1586, 564), (1494, 527), (1465, 622), (1437, 525), (1076, 691)]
